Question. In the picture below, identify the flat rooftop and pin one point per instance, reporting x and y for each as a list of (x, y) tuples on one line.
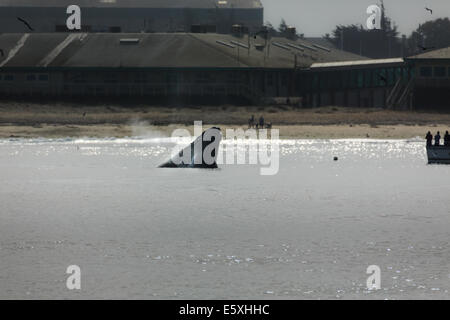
[(339, 64), (434, 54)]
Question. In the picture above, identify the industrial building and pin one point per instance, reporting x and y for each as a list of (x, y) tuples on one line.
[(376, 83), (417, 82), (173, 66), (133, 15), (432, 80), (216, 68)]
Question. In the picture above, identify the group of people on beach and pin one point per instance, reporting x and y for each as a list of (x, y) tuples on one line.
[(261, 124), (437, 139)]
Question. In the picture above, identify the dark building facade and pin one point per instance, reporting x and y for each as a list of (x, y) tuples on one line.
[(376, 83), (418, 82), (131, 16), (432, 81), (168, 66)]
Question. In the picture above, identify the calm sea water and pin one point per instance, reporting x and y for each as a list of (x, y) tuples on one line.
[(136, 231)]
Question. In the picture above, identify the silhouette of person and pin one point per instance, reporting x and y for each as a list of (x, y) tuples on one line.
[(437, 139), (447, 139), (251, 122), (429, 138), (261, 122)]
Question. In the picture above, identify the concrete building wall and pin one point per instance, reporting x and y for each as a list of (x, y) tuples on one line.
[(48, 19)]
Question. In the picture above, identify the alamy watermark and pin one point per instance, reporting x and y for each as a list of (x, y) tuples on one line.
[(374, 20), (73, 22), (73, 282), (374, 280), (239, 147)]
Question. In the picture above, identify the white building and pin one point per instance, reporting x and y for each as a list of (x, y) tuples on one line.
[(132, 15)]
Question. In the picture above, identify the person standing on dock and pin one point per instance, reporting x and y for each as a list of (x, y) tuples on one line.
[(437, 139), (447, 139), (429, 138)]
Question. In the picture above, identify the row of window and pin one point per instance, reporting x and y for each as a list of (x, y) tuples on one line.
[(28, 77), (113, 77), (271, 79), (352, 79), (434, 72), (7, 77)]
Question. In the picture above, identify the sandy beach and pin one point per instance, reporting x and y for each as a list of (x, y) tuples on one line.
[(31, 120)]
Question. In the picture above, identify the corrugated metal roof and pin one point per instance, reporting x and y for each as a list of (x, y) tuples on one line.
[(435, 54), (135, 3), (321, 41), (177, 50), (337, 64)]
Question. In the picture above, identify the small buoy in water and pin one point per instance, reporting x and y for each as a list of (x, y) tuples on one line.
[(336, 159)]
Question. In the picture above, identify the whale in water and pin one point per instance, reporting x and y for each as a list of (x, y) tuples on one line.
[(202, 153)]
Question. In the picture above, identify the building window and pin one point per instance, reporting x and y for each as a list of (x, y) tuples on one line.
[(9, 77), (140, 77), (376, 78), (172, 78), (398, 74), (270, 79), (155, 77), (201, 77), (284, 80), (391, 76), (368, 79), (31, 77), (115, 29), (43, 77), (332, 82), (382, 77), (234, 77), (426, 72), (345, 79), (439, 72), (353, 78), (78, 78), (360, 78), (323, 81), (406, 74), (110, 78), (315, 82)]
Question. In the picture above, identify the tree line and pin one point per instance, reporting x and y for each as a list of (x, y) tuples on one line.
[(385, 42)]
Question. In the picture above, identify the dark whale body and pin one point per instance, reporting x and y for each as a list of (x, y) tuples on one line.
[(202, 153)]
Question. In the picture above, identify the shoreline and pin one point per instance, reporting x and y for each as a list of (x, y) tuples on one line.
[(395, 132), (61, 120)]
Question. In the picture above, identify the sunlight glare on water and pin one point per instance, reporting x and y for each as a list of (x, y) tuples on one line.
[(137, 231)]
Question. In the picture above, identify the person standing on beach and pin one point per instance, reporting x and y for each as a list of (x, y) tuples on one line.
[(251, 122), (261, 122), (429, 138), (447, 139), (437, 139)]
